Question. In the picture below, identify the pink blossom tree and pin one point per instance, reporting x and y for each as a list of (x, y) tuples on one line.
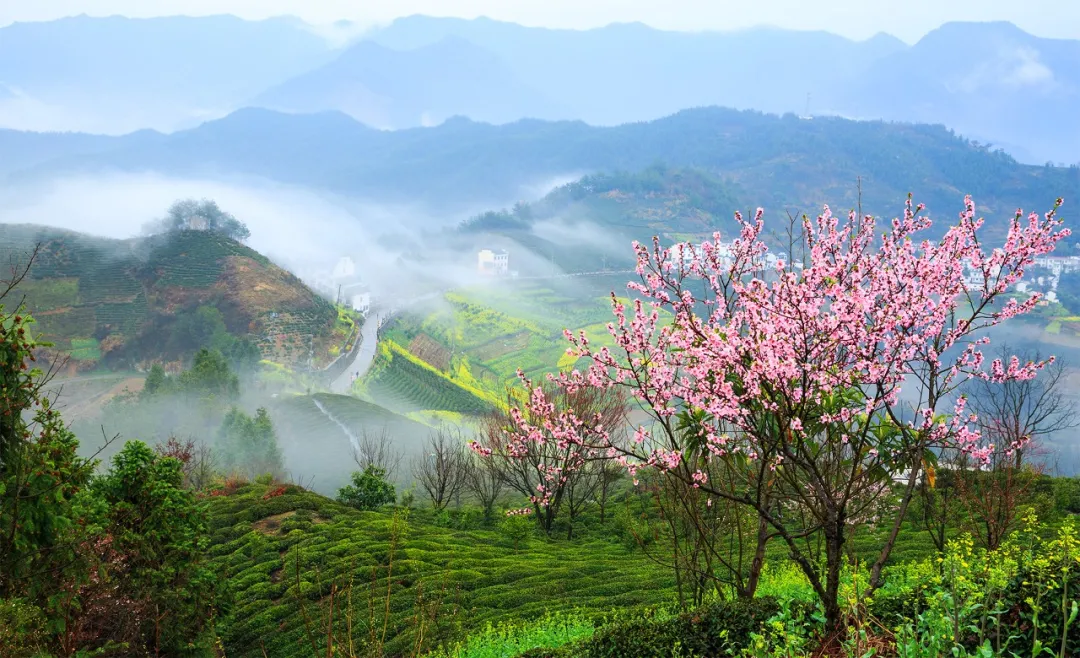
[(794, 372)]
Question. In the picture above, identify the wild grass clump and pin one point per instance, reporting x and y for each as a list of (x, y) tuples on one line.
[(507, 640)]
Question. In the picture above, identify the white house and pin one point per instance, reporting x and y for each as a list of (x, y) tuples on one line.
[(495, 263), (359, 296), (344, 269)]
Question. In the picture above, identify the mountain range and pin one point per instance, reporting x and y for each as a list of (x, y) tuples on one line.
[(781, 163), (991, 82)]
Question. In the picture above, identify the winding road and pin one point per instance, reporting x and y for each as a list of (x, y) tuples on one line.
[(369, 339)]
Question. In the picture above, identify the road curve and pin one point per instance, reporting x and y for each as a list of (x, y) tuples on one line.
[(369, 338)]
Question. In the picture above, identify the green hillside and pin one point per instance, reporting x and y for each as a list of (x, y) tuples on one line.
[(406, 383), (589, 224), (116, 302), (284, 555), (471, 347)]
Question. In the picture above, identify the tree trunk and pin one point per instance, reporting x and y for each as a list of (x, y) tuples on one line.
[(834, 557), (758, 563)]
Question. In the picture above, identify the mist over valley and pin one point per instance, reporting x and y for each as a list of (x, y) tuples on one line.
[(454, 337)]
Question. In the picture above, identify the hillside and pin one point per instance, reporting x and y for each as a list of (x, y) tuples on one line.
[(588, 225), (118, 302), (285, 554), (780, 163), (460, 354), (418, 376)]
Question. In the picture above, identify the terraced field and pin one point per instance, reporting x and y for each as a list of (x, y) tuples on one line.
[(285, 556), (472, 346), (402, 382), (114, 301)]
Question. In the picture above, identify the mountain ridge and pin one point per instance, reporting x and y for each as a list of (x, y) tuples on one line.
[(781, 161)]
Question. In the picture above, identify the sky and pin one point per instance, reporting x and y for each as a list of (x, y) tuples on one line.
[(858, 19)]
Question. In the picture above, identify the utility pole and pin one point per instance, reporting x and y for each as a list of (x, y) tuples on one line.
[(807, 115)]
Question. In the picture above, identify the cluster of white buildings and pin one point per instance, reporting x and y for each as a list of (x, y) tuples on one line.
[(1045, 282), (343, 283), (724, 252), (493, 262)]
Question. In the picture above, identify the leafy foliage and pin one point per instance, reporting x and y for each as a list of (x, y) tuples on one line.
[(158, 534), (369, 489), (249, 445), (110, 563), (203, 215)]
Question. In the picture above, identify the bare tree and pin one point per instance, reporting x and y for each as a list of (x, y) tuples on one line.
[(376, 448), (611, 472), (484, 481), (441, 469), (936, 504), (1019, 411), (198, 463), (1015, 418), (547, 456)]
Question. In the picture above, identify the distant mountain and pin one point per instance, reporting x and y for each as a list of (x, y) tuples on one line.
[(990, 80), (388, 88), (118, 302), (116, 74), (632, 72), (780, 163)]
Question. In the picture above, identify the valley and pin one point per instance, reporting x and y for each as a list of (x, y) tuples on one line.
[(457, 337)]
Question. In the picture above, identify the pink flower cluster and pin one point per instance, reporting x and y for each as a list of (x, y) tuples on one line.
[(866, 313)]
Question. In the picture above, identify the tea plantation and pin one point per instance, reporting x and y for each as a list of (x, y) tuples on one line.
[(114, 302), (285, 554)]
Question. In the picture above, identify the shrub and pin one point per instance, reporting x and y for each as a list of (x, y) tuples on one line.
[(156, 551), (1067, 494), (369, 489), (517, 528), (720, 629), (22, 628)]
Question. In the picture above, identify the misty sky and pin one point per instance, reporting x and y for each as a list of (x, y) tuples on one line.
[(907, 19)]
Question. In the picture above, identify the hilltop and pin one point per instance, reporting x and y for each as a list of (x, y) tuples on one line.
[(122, 303), (588, 225)]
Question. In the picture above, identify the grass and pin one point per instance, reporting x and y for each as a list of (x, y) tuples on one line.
[(285, 554), (507, 640), (85, 349)]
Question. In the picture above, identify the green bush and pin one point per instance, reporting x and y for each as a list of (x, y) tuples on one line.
[(369, 490), (518, 528), (1067, 495), (22, 629), (717, 630)]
